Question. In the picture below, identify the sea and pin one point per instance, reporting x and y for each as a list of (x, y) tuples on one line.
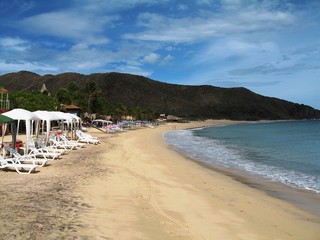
[(284, 152)]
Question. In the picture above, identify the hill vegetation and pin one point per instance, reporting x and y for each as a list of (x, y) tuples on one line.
[(117, 94)]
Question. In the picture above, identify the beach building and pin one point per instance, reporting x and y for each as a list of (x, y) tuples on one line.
[(73, 109), (171, 118)]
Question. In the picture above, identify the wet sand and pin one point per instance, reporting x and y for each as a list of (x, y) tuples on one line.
[(133, 186)]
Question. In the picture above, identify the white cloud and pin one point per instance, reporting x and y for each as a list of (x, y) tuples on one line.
[(14, 44), (167, 59), (273, 69), (247, 52), (133, 70), (231, 4), (15, 66), (160, 28), (182, 7), (209, 25), (79, 47), (151, 58), (268, 17), (85, 58), (70, 24), (204, 2), (112, 6), (18, 7)]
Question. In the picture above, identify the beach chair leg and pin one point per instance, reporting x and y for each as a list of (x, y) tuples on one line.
[(23, 172)]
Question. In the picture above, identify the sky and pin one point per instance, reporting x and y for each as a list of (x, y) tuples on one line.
[(271, 47)]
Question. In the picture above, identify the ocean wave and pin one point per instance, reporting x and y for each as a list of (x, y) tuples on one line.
[(216, 152)]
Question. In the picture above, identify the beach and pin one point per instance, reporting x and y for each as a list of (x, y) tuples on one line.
[(134, 186)]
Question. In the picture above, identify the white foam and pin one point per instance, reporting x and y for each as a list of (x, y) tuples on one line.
[(213, 151)]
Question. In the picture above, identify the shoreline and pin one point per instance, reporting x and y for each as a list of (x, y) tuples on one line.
[(304, 199)]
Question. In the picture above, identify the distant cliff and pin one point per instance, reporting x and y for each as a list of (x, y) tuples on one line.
[(181, 100)]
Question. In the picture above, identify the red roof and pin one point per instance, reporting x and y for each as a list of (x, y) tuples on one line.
[(3, 90), (72, 107)]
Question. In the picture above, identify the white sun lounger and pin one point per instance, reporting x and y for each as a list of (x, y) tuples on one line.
[(63, 145), (67, 141), (12, 163), (82, 137), (43, 152), (52, 149), (85, 135), (27, 158)]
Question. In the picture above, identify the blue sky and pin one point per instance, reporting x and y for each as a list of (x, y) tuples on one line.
[(271, 47)]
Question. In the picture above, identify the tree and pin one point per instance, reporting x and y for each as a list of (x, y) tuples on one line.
[(100, 105), (91, 91), (33, 101), (119, 111), (63, 98), (142, 113), (76, 95)]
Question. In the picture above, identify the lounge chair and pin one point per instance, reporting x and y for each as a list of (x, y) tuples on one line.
[(61, 144), (51, 148), (43, 152), (86, 135), (27, 158), (110, 130), (82, 137), (116, 128), (66, 140), (14, 163)]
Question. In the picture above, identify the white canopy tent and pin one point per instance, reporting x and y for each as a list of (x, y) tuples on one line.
[(25, 115), (75, 120), (72, 121), (46, 117)]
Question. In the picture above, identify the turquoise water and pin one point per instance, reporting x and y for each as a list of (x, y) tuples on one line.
[(286, 152)]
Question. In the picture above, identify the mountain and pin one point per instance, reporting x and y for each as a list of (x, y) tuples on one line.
[(181, 100)]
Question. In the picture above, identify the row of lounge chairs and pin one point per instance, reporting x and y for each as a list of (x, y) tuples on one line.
[(114, 129), (40, 155)]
